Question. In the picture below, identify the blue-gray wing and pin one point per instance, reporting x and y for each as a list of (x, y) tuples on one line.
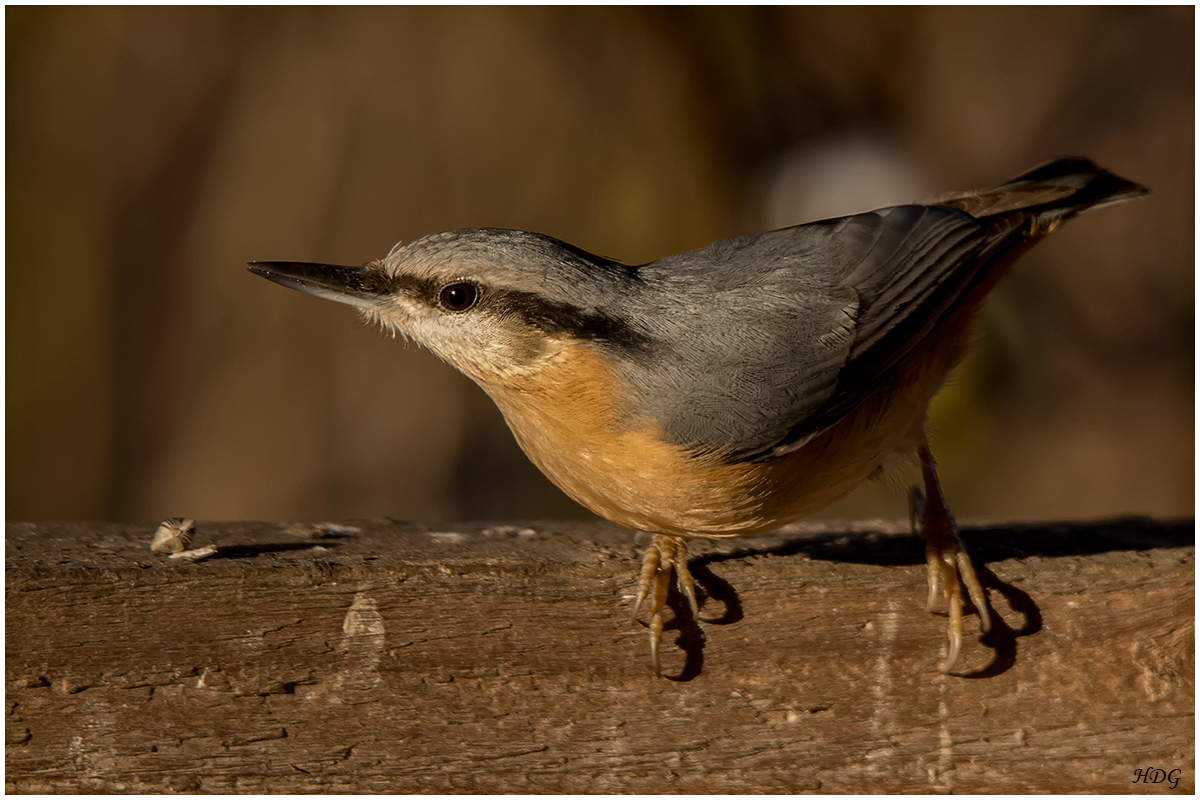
[(763, 330)]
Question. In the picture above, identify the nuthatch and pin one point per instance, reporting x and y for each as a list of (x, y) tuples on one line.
[(730, 390)]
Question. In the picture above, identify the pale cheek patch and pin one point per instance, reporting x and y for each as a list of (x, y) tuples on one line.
[(487, 350)]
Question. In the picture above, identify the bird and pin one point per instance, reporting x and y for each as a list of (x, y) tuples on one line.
[(733, 389)]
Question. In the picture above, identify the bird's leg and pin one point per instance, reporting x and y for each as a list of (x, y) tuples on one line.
[(949, 564), (664, 554)]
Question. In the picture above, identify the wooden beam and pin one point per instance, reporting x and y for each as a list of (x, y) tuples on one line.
[(384, 657)]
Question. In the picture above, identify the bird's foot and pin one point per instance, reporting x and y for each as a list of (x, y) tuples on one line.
[(949, 568), (665, 553)]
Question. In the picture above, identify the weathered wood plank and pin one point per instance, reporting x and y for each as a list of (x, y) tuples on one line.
[(403, 658)]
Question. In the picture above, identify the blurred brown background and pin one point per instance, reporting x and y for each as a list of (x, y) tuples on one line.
[(152, 152)]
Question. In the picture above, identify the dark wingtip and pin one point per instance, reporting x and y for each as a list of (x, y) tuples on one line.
[(1097, 185)]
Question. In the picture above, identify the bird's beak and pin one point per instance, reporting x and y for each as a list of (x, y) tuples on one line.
[(365, 287)]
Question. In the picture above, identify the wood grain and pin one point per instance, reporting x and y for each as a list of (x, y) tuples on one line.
[(389, 657)]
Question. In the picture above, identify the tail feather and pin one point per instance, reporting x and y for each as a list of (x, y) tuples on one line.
[(1050, 194)]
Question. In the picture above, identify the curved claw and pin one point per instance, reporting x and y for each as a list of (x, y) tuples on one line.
[(664, 555), (949, 565)]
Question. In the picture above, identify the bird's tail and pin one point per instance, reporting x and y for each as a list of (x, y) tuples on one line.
[(1050, 194)]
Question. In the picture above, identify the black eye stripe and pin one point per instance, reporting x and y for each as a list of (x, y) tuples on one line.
[(557, 318), (458, 297), (548, 316)]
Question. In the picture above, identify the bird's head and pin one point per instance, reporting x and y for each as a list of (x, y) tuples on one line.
[(496, 304)]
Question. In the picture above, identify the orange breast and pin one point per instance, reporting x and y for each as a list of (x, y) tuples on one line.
[(570, 421)]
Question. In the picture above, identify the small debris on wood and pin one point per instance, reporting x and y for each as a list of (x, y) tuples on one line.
[(197, 554), (173, 535)]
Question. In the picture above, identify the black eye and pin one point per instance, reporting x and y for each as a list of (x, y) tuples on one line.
[(458, 296)]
